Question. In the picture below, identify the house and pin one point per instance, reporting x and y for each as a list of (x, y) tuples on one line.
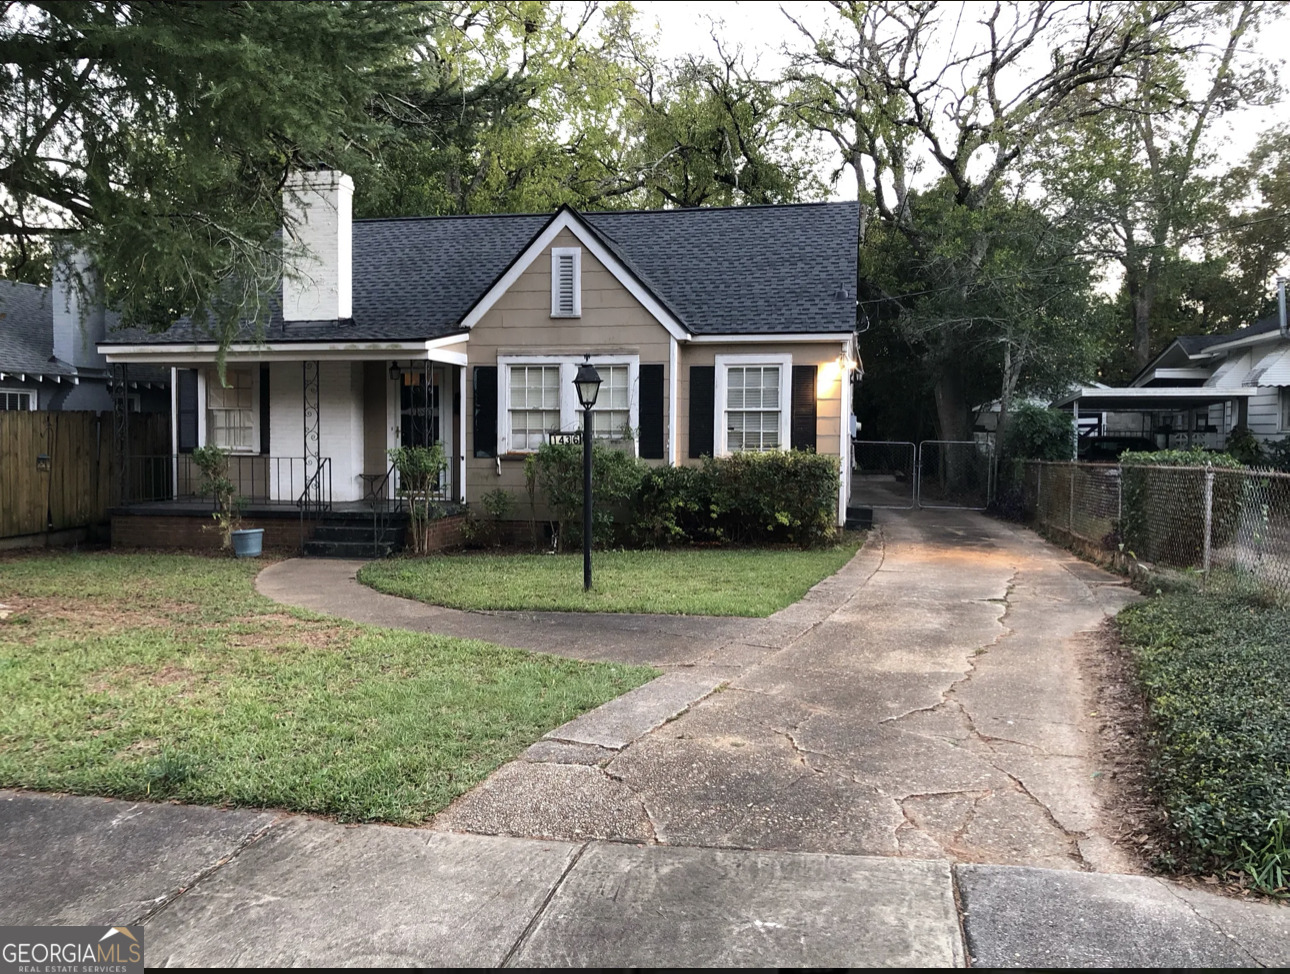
[(1201, 387), (714, 330), (48, 354)]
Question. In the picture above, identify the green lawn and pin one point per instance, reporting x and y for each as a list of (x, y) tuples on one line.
[(168, 677), (684, 581)]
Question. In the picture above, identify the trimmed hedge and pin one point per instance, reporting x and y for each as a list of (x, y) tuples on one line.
[(1164, 510), (1214, 672), (778, 497)]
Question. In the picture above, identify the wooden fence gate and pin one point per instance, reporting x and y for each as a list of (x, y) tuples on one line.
[(57, 469)]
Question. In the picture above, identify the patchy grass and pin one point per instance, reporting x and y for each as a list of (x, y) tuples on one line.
[(684, 581), (1214, 669), (168, 677)]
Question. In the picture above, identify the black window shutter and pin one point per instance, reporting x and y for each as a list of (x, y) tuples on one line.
[(186, 395), (485, 410), (651, 412), (264, 410), (703, 380), (802, 424)]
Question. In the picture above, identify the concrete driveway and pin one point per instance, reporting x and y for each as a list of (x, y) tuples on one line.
[(926, 702), (938, 712)]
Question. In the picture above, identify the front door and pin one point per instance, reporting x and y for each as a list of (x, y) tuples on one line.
[(420, 416)]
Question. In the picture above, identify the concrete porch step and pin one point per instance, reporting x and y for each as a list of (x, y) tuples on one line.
[(352, 549), (859, 518)]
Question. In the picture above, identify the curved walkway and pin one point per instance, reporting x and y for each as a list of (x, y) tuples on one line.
[(927, 701)]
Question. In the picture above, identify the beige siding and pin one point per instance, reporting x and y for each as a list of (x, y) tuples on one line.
[(612, 321), (520, 323), (829, 422)]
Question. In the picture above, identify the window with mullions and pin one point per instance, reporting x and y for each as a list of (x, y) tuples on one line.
[(230, 410), (611, 415), (12, 400), (535, 404), (753, 408)]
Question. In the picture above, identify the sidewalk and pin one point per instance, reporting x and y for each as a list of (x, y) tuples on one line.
[(240, 888)]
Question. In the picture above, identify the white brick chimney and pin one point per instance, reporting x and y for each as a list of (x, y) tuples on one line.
[(78, 312), (318, 284)]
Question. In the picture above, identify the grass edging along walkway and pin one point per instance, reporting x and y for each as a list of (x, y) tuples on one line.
[(168, 677), (752, 582), (1213, 668)]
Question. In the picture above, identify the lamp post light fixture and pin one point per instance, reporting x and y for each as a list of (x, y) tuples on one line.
[(587, 382)]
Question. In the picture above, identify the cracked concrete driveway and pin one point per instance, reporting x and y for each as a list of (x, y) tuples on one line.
[(936, 710)]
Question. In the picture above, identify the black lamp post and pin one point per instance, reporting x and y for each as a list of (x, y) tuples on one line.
[(587, 382)]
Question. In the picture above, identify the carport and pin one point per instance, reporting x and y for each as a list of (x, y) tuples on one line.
[(1156, 404)]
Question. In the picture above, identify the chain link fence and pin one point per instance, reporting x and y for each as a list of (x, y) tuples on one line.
[(954, 474), (884, 474), (1195, 519)]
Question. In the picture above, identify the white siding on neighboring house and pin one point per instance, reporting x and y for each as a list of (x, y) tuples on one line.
[(1265, 412)]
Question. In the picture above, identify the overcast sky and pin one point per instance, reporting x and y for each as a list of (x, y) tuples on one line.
[(761, 28)]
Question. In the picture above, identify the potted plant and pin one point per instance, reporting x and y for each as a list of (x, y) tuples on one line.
[(212, 461)]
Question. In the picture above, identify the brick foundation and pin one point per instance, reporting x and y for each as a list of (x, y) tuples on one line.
[(198, 531)]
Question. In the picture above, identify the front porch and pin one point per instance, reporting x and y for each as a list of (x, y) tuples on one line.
[(307, 441)]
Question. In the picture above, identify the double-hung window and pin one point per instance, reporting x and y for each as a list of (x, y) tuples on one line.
[(536, 397), (534, 405), (611, 417), (752, 402), (1285, 410), (230, 409), (17, 400)]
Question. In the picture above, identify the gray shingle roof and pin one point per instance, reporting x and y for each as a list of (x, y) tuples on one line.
[(27, 331), (737, 270)]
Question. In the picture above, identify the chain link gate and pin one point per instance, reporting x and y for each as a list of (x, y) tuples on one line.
[(884, 474), (955, 474)]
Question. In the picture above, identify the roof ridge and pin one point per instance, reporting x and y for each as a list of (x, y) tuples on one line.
[(653, 210)]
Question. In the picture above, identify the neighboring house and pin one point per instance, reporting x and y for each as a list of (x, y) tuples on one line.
[(714, 331), (48, 358), (1201, 387)]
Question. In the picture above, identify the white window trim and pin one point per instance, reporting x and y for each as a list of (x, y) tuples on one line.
[(1283, 407), (210, 378), (556, 254), (724, 362), (570, 409), (31, 395)]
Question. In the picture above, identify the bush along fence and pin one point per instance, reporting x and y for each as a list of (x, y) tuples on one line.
[(1185, 510)]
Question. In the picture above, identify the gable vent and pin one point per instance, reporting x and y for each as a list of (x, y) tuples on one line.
[(566, 282)]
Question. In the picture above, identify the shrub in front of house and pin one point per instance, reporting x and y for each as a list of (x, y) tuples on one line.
[(787, 496), (778, 497), (615, 479)]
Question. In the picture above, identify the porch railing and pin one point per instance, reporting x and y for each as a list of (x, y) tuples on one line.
[(262, 480)]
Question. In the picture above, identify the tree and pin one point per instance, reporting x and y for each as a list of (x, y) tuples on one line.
[(899, 86), (159, 136), (533, 96), (1142, 175), (710, 133)]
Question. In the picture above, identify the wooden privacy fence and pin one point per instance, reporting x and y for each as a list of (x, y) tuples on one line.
[(57, 469)]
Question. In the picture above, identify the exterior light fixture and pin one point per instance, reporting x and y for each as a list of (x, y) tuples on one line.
[(587, 382), (396, 371)]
